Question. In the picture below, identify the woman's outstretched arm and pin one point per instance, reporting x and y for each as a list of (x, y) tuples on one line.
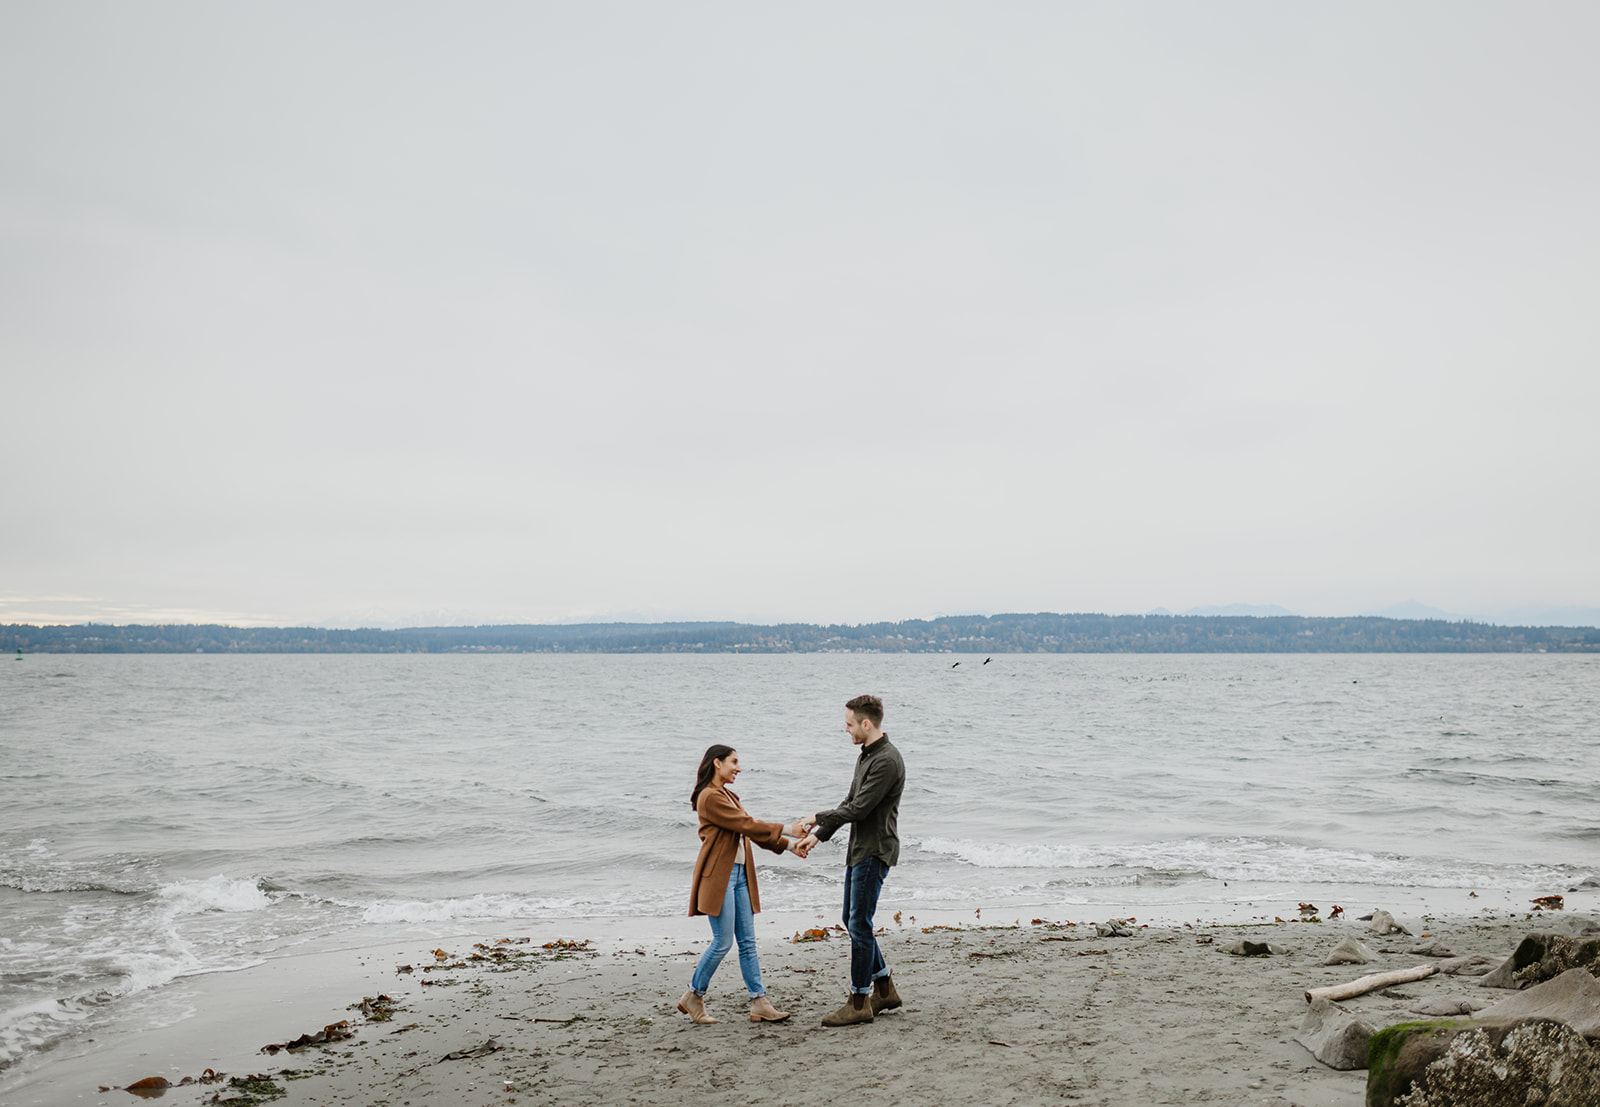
[(719, 809)]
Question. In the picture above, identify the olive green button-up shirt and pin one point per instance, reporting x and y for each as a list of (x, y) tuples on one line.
[(872, 806)]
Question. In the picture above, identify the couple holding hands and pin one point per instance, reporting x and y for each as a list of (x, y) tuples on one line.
[(724, 883)]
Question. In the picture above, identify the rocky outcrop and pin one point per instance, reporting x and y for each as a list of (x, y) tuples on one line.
[(1578, 926), (1572, 998), (1503, 976), (1482, 1064), (1542, 957), (1334, 1036)]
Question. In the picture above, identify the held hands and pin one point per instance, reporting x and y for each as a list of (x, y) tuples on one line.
[(801, 847), (801, 836)]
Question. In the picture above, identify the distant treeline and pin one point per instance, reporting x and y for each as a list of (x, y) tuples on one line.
[(1040, 633)]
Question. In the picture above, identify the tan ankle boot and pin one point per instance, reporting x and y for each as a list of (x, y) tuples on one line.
[(884, 995), (695, 1007), (762, 1010), (851, 1013)]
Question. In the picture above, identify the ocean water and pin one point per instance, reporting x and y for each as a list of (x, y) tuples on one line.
[(166, 816)]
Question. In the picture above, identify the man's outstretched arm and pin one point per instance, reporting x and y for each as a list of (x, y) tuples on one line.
[(876, 783)]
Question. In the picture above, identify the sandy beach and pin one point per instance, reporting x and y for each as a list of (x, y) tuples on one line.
[(1013, 1011)]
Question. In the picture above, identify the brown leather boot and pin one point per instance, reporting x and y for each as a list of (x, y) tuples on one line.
[(695, 1007), (762, 1010), (856, 1009), (884, 996)]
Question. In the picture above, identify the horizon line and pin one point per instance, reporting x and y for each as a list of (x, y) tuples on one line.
[(569, 625)]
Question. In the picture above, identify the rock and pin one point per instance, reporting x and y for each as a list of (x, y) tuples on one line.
[(1445, 1007), (1349, 952), (1246, 948), (1482, 1064), (1504, 976), (1112, 929), (1471, 965), (1578, 926), (1432, 949), (1544, 956), (1334, 1036), (1572, 998), (1383, 923)]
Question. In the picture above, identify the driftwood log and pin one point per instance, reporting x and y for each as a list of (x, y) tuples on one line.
[(1371, 983)]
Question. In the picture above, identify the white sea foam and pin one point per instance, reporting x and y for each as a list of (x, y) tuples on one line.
[(446, 910), (1242, 859), (30, 1026), (137, 972), (468, 908), (215, 893), (70, 960)]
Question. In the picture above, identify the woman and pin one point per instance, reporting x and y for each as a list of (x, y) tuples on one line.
[(724, 884)]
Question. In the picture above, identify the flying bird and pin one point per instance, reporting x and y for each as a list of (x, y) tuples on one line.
[(957, 663), (987, 660)]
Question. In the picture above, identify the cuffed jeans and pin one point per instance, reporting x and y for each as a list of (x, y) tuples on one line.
[(736, 923), (862, 883)]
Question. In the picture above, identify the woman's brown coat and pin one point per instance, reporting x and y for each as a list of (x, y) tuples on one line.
[(722, 822)]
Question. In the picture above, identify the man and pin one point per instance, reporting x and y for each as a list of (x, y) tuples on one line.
[(871, 807)]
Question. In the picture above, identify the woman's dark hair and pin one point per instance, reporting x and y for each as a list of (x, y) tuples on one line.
[(707, 771)]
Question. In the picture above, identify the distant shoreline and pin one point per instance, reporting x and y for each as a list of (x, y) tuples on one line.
[(976, 634)]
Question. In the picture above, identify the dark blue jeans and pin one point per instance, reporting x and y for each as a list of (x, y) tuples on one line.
[(862, 883)]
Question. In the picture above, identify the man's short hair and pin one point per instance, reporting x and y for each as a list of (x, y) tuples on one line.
[(868, 707)]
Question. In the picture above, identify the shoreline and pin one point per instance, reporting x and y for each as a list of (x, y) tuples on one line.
[(1057, 1011)]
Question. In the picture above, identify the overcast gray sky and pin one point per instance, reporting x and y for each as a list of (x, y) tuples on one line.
[(828, 312)]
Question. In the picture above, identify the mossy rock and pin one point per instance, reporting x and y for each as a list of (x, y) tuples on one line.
[(1482, 1063), (1385, 1046)]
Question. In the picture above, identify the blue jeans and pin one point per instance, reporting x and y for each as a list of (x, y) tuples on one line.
[(862, 883), (737, 922)]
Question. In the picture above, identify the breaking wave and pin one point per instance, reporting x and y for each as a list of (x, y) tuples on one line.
[(1255, 859)]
